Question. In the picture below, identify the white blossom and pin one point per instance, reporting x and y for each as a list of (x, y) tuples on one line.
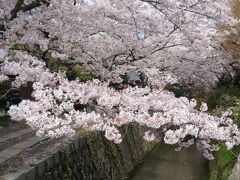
[(148, 136), (3, 77), (203, 107), (178, 37)]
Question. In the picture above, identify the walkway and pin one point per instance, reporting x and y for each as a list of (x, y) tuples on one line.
[(14, 143)]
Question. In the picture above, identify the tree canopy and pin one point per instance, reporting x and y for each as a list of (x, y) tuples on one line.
[(166, 40)]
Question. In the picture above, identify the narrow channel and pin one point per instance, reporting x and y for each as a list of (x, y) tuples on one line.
[(164, 163)]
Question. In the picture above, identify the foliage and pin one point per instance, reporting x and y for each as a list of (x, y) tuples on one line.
[(225, 95), (225, 160), (213, 175), (180, 90), (5, 121), (78, 72), (4, 87), (224, 157)]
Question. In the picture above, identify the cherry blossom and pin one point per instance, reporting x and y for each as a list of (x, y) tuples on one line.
[(3, 77), (109, 37), (167, 40), (52, 113)]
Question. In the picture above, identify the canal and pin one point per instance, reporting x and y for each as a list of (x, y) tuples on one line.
[(164, 163)]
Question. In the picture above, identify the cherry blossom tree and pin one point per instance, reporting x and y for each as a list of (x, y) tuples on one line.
[(107, 38)]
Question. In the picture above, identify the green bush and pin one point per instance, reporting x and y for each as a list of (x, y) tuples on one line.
[(225, 157)]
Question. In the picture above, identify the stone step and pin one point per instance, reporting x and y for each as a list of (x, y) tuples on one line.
[(13, 135), (17, 148)]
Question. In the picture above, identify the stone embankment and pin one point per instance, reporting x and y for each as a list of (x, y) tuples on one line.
[(88, 156)]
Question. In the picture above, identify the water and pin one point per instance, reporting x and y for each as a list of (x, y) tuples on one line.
[(164, 163)]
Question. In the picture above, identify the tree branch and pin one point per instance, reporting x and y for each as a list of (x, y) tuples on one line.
[(20, 6)]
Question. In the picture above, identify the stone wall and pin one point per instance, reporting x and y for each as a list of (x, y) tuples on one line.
[(236, 171), (91, 157)]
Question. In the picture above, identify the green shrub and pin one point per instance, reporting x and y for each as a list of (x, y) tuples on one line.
[(225, 157)]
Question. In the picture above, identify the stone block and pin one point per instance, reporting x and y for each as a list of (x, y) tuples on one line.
[(24, 145), (31, 174), (8, 137), (49, 163), (37, 138), (21, 174), (9, 153), (76, 144), (2, 160), (60, 169), (41, 168), (62, 156), (57, 158), (15, 134), (55, 174), (14, 176)]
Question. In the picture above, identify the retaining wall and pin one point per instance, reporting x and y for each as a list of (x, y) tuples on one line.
[(90, 157)]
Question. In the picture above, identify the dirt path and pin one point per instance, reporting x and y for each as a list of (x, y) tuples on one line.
[(164, 163)]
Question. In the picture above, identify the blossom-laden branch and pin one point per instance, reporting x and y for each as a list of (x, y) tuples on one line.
[(53, 113)]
